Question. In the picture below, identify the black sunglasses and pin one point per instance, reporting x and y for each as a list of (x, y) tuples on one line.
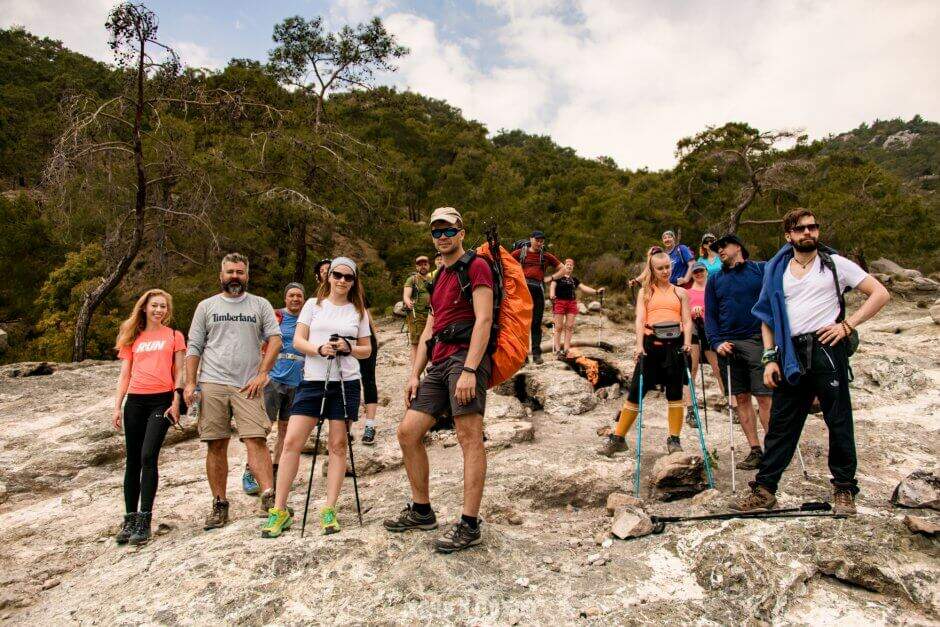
[(450, 231), (339, 275), (805, 228)]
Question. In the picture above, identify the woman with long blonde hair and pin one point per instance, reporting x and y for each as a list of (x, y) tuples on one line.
[(148, 401), (663, 339)]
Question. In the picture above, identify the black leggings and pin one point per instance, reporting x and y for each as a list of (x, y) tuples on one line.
[(144, 431), (370, 391)]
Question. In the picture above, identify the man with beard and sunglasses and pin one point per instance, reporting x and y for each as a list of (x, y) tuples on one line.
[(225, 340), (456, 381), (808, 337)]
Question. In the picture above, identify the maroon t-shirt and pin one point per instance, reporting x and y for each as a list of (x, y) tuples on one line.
[(449, 305), (533, 269)]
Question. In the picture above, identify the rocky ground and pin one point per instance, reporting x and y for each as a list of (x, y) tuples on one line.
[(547, 557)]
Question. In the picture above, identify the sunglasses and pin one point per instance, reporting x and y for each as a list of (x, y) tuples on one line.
[(450, 231), (349, 278), (805, 228)]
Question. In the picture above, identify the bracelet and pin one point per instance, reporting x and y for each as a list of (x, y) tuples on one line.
[(319, 346), (470, 370)]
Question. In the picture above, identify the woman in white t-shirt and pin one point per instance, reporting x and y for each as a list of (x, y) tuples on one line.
[(337, 310)]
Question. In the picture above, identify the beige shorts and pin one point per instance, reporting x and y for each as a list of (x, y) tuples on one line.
[(218, 404)]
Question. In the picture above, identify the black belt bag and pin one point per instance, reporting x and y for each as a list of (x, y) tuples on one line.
[(666, 330)]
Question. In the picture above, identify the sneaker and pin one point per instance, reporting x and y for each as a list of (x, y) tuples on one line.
[(218, 516), (130, 520), (537, 360), (267, 501), (141, 533), (368, 436), (459, 537), (843, 503), (752, 461), (410, 519), (614, 444), (758, 498), (279, 521), (249, 483), (690, 417), (328, 521), (673, 445)]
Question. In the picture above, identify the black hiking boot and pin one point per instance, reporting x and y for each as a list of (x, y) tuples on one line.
[(218, 516), (752, 461), (758, 498), (368, 436), (537, 360), (409, 519), (673, 445), (141, 533), (614, 444), (130, 521), (461, 536), (843, 503)]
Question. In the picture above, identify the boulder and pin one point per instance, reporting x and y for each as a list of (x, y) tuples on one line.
[(922, 526), (922, 284), (900, 140), (678, 476), (582, 308), (631, 523), (619, 500), (508, 432), (594, 305), (559, 392), (4, 342), (563, 486), (499, 408), (935, 312), (919, 489), (886, 266), (399, 309)]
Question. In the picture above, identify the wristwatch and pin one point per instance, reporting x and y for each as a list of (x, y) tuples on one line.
[(769, 356)]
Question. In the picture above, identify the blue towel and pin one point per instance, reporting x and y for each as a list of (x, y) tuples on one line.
[(771, 309)]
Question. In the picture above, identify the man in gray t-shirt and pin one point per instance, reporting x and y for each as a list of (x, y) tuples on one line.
[(225, 338)]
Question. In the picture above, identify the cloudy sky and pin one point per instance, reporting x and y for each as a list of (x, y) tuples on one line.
[(624, 78)]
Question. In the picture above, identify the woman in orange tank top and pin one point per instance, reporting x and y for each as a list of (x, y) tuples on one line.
[(664, 359)]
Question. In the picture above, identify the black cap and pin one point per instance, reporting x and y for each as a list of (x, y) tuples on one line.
[(537, 234), (729, 238)]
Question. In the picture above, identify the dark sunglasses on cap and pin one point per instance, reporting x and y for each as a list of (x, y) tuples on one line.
[(804, 228), (450, 231), (349, 278)]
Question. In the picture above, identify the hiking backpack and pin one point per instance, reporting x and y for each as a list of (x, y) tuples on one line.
[(825, 257), (512, 307)]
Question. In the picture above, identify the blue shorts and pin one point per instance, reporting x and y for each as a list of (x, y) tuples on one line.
[(309, 398)]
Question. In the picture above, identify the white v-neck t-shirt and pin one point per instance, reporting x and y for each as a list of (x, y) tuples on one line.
[(812, 302)]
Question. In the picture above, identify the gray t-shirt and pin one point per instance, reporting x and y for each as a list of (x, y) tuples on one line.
[(227, 333)]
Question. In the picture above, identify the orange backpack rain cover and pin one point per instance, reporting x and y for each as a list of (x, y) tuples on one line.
[(515, 319)]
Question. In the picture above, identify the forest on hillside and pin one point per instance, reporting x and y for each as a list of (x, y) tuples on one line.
[(262, 159)]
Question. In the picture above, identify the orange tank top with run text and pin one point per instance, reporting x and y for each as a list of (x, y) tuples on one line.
[(663, 306)]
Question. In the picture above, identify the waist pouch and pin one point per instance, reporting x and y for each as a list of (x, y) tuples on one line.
[(454, 333), (666, 330)]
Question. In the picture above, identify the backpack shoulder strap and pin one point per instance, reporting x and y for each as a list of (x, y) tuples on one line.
[(463, 274), (827, 261), (525, 251)]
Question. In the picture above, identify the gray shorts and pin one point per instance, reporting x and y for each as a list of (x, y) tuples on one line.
[(747, 373), (436, 390), (278, 398)]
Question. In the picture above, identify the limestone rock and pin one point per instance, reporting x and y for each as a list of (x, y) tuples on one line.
[(919, 489), (558, 394), (922, 526), (922, 284), (706, 498), (582, 308), (310, 445), (4, 341), (508, 432), (631, 523), (399, 309), (501, 408), (561, 486), (901, 140), (886, 266), (594, 306), (679, 475), (935, 311), (619, 500)]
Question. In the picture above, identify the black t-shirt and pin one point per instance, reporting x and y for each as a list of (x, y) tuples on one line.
[(566, 287)]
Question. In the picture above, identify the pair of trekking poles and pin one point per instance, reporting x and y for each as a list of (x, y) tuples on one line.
[(352, 462)]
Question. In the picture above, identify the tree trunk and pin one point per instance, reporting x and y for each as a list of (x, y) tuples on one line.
[(300, 251)]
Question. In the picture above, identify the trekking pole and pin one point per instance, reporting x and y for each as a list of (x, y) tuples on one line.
[(704, 392), (813, 506), (639, 436), (316, 448), (698, 424), (799, 455), (352, 462), (734, 488)]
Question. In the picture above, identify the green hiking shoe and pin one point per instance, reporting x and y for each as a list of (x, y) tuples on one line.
[(328, 521), (279, 521)]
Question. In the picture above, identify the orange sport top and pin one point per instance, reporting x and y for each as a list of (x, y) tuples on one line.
[(663, 306)]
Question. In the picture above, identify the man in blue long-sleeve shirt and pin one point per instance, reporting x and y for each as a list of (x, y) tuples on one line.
[(734, 333)]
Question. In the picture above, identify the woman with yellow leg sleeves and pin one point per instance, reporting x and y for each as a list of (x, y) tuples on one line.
[(664, 337)]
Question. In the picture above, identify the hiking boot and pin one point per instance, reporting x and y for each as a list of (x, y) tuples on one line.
[(673, 445), (409, 519), (537, 360), (328, 521), (843, 503), (218, 516), (758, 498), (267, 501), (368, 436), (690, 417), (279, 521), (459, 537), (141, 533), (614, 444), (249, 483), (130, 521), (752, 461)]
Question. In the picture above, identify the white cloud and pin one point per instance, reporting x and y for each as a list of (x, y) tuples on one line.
[(79, 24), (196, 55), (356, 11)]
